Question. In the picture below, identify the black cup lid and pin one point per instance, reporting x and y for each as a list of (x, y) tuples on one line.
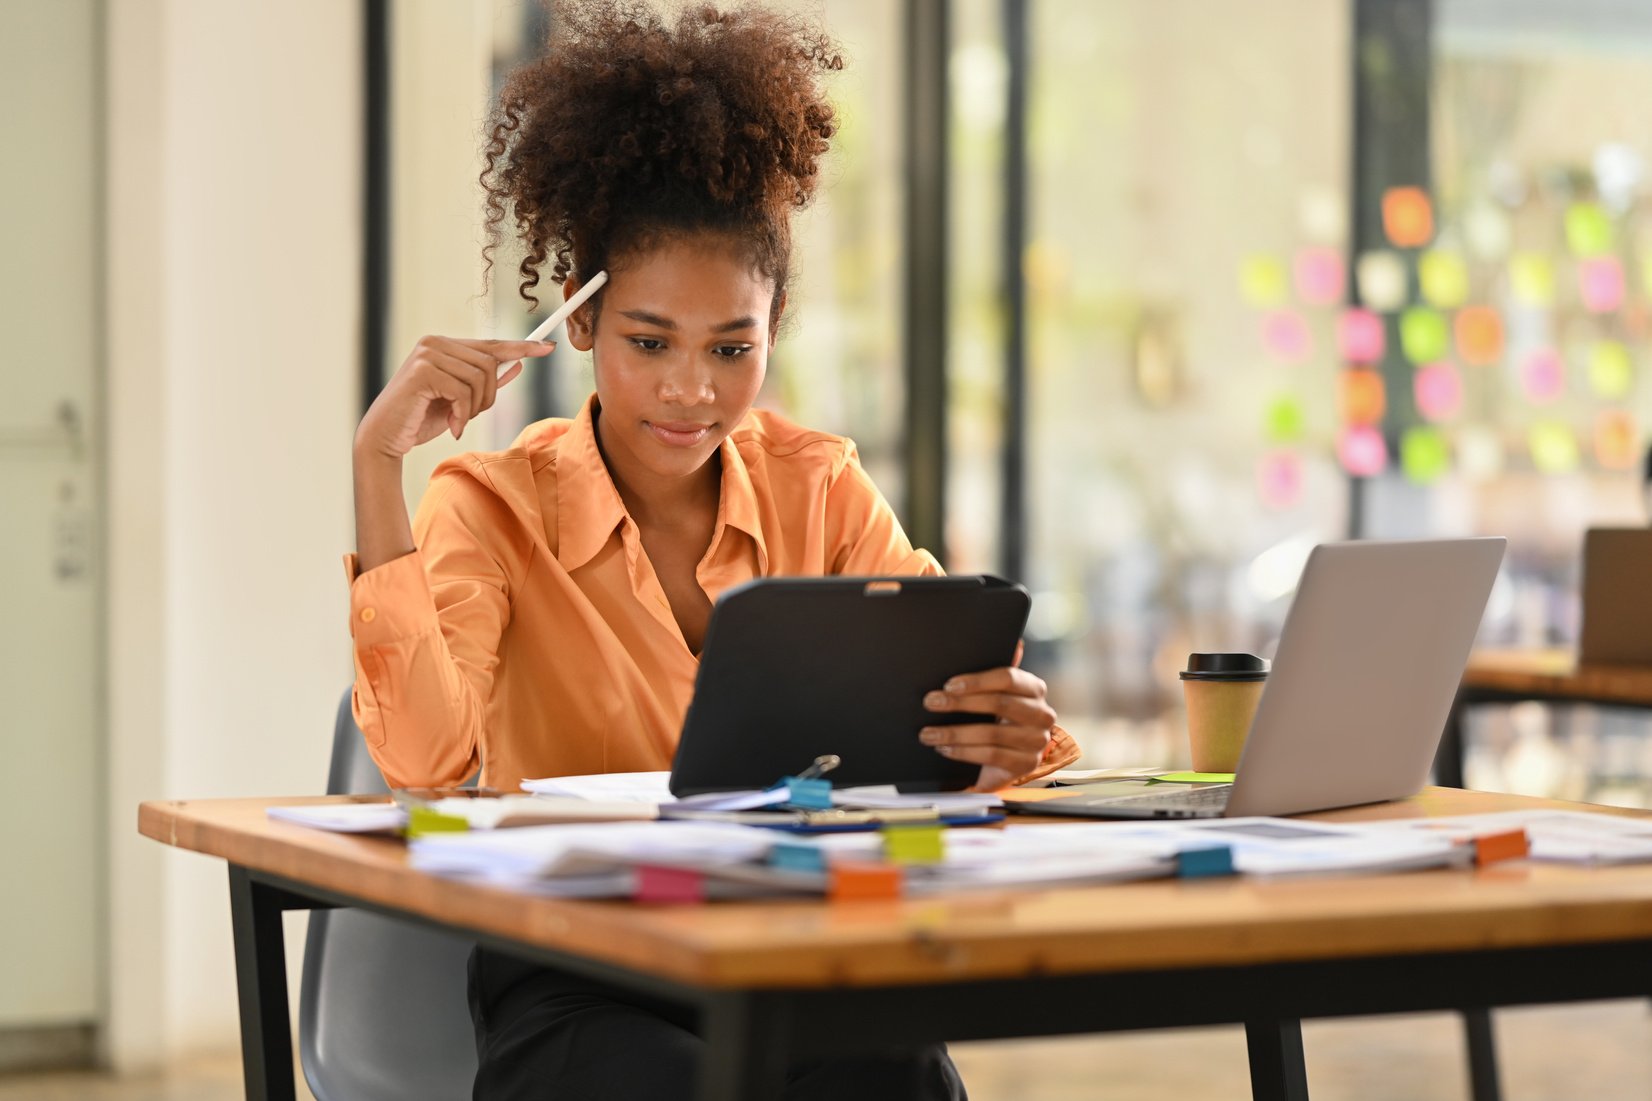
[(1225, 667)]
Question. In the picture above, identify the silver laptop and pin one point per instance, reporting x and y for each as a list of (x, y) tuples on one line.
[(1368, 663)]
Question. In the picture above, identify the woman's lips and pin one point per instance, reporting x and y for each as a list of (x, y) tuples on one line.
[(678, 433)]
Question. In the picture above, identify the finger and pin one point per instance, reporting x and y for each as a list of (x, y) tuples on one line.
[(503, 351), (444, 387), (1026, 710), (479, 381), (1014, 762), (1020, 649), (510, 372), (991, 778), (1004, 735), (1017, 682)]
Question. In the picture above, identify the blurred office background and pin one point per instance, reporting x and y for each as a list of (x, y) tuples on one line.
[(1132, 300)]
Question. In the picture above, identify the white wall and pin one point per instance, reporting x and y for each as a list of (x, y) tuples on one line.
[(234, 263)]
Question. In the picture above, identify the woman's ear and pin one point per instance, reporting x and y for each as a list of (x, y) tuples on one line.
[(581, 327)]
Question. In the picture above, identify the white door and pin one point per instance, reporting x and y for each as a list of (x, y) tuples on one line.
[(50, 300)]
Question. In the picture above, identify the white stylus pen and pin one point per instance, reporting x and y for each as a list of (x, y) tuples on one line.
[(564, 312)]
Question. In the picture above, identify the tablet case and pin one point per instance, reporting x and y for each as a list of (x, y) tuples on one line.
[(796, 668)]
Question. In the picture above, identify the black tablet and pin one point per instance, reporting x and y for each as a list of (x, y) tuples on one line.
[(796, 668)]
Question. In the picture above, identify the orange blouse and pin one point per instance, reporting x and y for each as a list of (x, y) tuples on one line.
[(529, 632)]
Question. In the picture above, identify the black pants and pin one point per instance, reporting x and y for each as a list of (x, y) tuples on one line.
[(546, 1036)]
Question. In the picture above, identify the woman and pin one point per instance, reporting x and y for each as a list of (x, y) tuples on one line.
[(543, 614)]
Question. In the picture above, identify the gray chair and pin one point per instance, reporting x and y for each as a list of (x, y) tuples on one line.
[(382, 1013)]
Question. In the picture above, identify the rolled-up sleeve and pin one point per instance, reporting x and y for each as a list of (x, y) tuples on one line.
[(426, 630)]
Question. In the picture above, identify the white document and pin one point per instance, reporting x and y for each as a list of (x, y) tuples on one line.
[(344, 817), (885, 797), (1287, 846), (630, 787), (1562, 837), (535, 852)]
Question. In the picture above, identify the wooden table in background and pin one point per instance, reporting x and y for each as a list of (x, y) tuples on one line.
[(1548, 676), (777, 979)]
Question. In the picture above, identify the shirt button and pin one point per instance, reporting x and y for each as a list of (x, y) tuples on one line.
[(368, 615)]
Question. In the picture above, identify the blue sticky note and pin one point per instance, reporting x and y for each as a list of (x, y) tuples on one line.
[(1196, 863), (809, 794), (797, 858)]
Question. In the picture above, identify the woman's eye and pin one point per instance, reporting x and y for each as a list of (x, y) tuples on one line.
[(647, 343), (731, 351)]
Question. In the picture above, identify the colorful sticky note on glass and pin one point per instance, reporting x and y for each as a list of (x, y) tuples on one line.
[(1554, 447), (1360, 336), (1262, 280), (1479, 332), (1285, 419), (1286, 337), (669, 886), (1616, 444), (1611, 372), (1361, 397), (1543, 376), (1487, 229), (1279, 479), (1600, 283), (1588, 229), (1531, 278), (1479, 453), (1381, 277), (1438, 389), (1407, 217), (1423, 335), (1443, 279), (1319, 276), (1321, 213), (1424, 454), (1362, 451)]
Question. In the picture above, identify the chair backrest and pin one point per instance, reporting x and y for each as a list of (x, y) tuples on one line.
[(382, 1013)]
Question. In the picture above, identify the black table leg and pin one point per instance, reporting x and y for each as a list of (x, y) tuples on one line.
[(261, 982), (1448, 759), (745, 1055), (1277, 1069), (1482, 1055)]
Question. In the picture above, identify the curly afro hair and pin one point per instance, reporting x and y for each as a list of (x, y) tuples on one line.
[(633, 128)]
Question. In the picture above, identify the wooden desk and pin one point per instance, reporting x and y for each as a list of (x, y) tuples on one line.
[(782, 978), (1547, 675)]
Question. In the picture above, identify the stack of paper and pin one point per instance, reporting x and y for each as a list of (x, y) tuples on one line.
[(1565, 837), (655, 788)]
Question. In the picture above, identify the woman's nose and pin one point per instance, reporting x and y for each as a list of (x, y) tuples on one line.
[(686, 384)]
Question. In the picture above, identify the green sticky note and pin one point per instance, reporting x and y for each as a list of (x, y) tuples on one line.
[(423, 820), (1194, 778), (1588, 229), (1424, 335), (1262, 280), (1554, 447), (1531, 277), (1285, 419), (914, 844), (1443, 278), (1424, 454), (1611, 371)]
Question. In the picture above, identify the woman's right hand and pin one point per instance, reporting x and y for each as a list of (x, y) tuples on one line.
[(443, 383)]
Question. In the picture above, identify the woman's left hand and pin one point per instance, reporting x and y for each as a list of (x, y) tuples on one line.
[(1010, 747)]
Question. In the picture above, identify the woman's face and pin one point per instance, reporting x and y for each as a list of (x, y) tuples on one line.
[(681, 347)]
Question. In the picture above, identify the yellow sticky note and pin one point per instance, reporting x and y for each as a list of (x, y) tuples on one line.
[(914, 844), (1262, 280), (1531, 277), (423, 820), (1443, 277)]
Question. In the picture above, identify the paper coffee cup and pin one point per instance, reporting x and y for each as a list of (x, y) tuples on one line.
[(1222, 691)]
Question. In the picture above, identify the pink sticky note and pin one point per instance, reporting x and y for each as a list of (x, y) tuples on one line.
[(1439, 391), (1319, 276), (1286, 336), (1362, 451), (1543, 376), (1600, 283), (1279, 479), (669, 885), (1360, 336)]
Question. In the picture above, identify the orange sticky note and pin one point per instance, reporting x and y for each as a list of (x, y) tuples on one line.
[(1407, 217), (1492, 847), (1361, 396), (859, 879), (1479, 335), (1616, 444), (670, 886)]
